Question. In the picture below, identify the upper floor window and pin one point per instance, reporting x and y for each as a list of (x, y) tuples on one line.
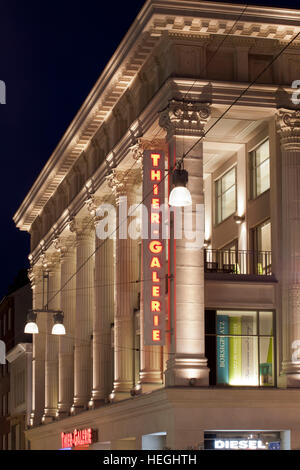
[(225, 188), (260, 169), (262, 248)]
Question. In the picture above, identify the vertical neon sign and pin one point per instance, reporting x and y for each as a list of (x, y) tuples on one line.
[(154, 249)]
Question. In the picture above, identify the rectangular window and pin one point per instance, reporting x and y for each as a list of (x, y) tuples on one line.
[(244, 347), (260, 169), (262, 248), (225, 190)]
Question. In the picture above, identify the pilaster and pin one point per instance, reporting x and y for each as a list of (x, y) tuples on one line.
[(85, 260), (184, 122), (288, 126), (66, 248), (51, 264), (122, 183)]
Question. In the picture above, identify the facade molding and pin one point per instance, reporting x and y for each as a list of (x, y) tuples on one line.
[(261, 98), (156, 17)]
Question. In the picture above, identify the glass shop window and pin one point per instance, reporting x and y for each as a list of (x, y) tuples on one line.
[(225, 190), (260, 169), (240, 347)]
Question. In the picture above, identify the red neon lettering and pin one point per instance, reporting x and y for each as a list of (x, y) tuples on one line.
[(77, 438), (155, 278), (155, 320), (155, 158), (155, 175), (155, 306), (155, 190), (155, 246), (155, 219), (156, 335), (155, 263), (155, 291), (155, 203)]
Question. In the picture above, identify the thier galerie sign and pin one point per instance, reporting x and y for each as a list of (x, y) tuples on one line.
[(154, 249), (78, 438)]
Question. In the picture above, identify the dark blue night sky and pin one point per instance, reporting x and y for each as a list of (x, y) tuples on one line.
[(51, 54)]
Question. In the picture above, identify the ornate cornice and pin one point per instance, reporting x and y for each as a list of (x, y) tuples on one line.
[(288, 127), (195, 20), (184, 118)]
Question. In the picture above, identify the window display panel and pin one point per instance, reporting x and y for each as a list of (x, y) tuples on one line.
[(244, 348), (237, 348)]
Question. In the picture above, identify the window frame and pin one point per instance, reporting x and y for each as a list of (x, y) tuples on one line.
[(253, 170), (256, 242), (257, 312), (217, 197)]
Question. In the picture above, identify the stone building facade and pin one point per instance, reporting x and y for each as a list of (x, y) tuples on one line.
[(213, 81)]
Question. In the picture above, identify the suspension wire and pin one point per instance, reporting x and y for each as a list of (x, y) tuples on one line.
[(193, 84), (183, 157)]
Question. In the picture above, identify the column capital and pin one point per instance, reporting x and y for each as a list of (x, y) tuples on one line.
[(288, 127), (121, 181), (147, 144), (185, 118), (50, 261), (92, 203), (63, 245), (83, 228), (34, 273)]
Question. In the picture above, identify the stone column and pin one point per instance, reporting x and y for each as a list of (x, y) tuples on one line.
[(126, 289), (288, 125), (85, 247), (104, 313), (52, 266), (185, 120), (151, 373), (66, 248), (38, 348)]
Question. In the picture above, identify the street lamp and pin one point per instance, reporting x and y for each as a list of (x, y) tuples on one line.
[(180, 195), (31, 325), (58, 327), (58, 317)]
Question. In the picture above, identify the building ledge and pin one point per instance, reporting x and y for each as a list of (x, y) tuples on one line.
[(240, 277)]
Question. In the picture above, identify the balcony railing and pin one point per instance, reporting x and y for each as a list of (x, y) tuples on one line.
[(238, 262)]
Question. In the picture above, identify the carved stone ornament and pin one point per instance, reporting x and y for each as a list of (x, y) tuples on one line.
[(288, 126), (184, 118), (83, 228), (121, 181), (147, 144)]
